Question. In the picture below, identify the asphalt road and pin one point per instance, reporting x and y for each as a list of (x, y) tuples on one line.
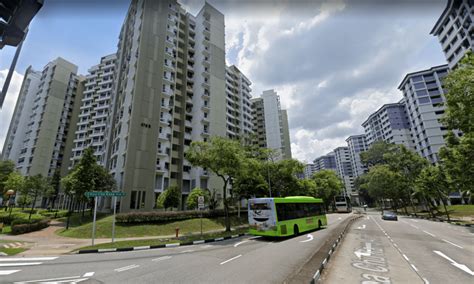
[(404, 251), (243, 260)]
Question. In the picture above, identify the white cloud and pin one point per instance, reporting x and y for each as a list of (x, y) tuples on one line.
[(6, 111)]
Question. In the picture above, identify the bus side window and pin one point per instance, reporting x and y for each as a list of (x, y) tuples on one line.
[(281, 212)]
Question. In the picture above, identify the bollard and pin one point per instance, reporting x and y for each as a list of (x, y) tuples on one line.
[(177, 231)]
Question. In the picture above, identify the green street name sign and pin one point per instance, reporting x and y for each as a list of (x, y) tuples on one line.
[(104, 193)]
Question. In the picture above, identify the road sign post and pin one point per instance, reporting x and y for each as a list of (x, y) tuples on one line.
[(93, 223), (201, 207), (96, 194)]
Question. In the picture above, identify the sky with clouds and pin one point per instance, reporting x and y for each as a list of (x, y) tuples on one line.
[(332, 62)]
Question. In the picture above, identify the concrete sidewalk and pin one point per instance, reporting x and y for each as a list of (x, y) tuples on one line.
[(46, 242)]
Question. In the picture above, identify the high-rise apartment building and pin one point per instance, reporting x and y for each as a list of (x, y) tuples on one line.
[(326, 162), (270, 124), (455, 30), (344, 170), (389, 123), (90, 130), (13, 145), (45, 111), (357, 144), (171, 87), (424, 96)]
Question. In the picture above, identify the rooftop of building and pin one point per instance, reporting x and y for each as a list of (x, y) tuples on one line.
[(439, 23), (382, 108), (421, 72)]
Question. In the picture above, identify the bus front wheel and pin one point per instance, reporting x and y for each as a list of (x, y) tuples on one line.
[(296, 230)]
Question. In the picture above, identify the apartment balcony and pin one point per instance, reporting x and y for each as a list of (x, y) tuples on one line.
[(160, 168), (161, 152)]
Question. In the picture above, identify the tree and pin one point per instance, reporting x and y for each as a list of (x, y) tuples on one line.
[(56, 184), (86, 176), (409, 165), (459, 113), (307, 186), (224, 157), (360, 185), (383, 183), (192, 200), (16, 182), (432, 182), (457, 159), (375, 155), (6, 168), (327, 186), (37, 186), (170, 198), (283, 177)]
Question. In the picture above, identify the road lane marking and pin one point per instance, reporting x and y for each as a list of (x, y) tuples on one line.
[(414, 267), (8, 272), (368, 251), (19, 264), (416, 227), (230, 259), (404, 255), (426, 280), (428, 233), (50, 279), (416, 221), (452, 243), (454, 263), (28, 258), (206, 246), (360, 228), (310, 238), (185, 251), (161, 258), (127, 267), (239, 243), (88, 274)]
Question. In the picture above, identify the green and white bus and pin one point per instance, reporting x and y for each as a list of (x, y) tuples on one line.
[(287, 216)]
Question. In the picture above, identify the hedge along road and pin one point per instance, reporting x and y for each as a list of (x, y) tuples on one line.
[(253, 260)]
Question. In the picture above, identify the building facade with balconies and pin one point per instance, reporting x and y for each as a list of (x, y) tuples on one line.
[(90, 130), (455, 30), (344, 171), (325, 162), (390, 124), (357, 144), (46, 110), (270, 124), (423, 93), (171, 87)]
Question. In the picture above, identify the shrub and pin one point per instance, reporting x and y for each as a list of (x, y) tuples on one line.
[(26, 228), (169, 198), (53, 213), (34, 219), (168, 216), (192, 201)]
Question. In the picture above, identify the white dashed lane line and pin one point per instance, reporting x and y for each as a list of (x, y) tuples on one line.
[(451, 243), (400, 251), (235, 257), (429, 233), (126, 268), (161, 258)]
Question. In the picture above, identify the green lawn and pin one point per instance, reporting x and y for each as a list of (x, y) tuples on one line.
[(459, 210), (12, 251), (151, 242), (104, 228)]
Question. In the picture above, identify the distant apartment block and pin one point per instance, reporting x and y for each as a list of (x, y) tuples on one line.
[(344, 170), (389, 123), (270, 124), (455, 30), (13, 146), (424, 96), (357, 144), (39, 139), (171, 87), (90, 130), (326, 162), (309, 170)]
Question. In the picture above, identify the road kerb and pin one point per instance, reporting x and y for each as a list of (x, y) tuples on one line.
[(159, 246)]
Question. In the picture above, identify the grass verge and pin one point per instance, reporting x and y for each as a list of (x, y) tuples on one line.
[(104, 228), (152, 242), (12, 251)]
